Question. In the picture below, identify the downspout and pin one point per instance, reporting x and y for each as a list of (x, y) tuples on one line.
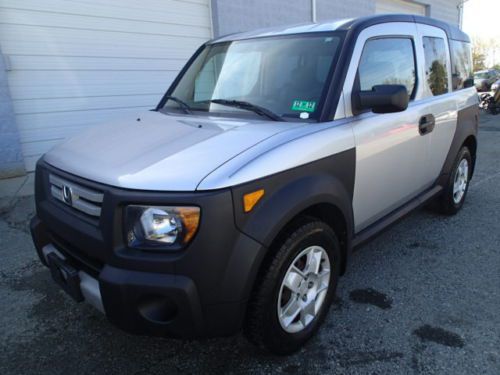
[(460, 7)]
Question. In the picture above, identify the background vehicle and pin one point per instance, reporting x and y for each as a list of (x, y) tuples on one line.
[(495, 86), (491, 101), (237, 203), (484, 79)]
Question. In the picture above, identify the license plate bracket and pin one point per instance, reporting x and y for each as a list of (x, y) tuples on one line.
[(65, 276)]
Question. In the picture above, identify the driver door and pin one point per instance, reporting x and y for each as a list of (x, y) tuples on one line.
[(391, 154)]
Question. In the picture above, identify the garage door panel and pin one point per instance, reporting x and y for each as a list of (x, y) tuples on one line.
[(83, 104), (89, 40), (178, 6), (172, 12), (69, 91), (73, 63), (33, 78), (78, 63), (32, 18), (90, 50)]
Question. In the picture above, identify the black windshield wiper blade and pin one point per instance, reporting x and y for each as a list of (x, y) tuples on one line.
[(182, 104), (248, 106)]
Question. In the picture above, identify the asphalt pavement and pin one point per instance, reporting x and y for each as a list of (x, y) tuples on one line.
[(423, 298)]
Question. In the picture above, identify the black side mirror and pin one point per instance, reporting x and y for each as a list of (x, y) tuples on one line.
[(382, 99), (469, 82)]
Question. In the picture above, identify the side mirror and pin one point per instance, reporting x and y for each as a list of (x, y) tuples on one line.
[(469, 82), (382, 99)]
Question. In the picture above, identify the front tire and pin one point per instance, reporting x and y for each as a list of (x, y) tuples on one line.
[(455, 191), (296, 288)]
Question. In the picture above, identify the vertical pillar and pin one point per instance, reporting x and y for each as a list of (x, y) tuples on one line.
[(11, 158)]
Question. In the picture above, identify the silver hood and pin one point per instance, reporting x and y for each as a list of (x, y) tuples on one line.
[(154, 151)]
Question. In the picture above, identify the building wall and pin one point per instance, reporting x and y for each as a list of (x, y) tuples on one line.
[(445, 10), (11, 160), (331, 9), (230, 16)]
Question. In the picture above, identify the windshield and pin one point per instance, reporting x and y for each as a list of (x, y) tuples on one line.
[(284, 76), (481, 75)]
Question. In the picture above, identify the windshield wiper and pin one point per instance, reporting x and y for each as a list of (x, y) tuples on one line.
[(184, 106), (249, 107)]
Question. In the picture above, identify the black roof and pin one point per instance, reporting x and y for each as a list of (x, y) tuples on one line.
[(453, 32)]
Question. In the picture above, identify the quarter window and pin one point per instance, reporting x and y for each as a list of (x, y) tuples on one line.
[(387, 61), (436, 71), (461, 65)]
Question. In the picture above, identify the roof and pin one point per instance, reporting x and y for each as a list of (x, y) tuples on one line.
[(286, 30), (358, 24)]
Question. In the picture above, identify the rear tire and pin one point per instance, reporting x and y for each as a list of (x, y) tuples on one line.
[(296, 288), (455, 191)]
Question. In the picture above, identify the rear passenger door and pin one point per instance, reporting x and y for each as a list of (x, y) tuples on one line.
[(437, 96)]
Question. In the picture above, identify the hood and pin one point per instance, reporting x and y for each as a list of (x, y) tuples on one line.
[(154, 151)]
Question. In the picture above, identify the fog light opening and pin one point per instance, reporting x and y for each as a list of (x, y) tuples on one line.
[(157, 309)]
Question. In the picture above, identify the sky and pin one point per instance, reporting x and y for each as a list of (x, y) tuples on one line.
[(481, 18)]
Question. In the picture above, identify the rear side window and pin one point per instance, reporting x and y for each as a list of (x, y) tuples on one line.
[(436, 71), (461, 65), (387, 61)]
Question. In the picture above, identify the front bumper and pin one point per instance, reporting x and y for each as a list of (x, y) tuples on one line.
[(200, 291)]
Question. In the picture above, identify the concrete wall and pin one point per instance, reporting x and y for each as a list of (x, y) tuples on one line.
[(332, 9), (231, 16), (445, 10), (11, 159)]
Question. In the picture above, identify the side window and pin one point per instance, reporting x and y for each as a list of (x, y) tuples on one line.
[(436, 71), (461, 65), (386, 61)]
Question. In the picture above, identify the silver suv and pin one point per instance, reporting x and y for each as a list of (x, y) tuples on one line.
[(237, 202)]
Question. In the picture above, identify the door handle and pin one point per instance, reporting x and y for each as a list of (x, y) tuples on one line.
[(426, 124)]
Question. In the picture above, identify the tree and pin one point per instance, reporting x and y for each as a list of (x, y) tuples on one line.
[(438, 78), (484, 52), (479, 51)]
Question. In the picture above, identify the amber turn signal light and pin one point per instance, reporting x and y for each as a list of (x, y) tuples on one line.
[(251, 199)]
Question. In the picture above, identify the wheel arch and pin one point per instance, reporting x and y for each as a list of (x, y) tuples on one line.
[(471, 143), (322, 189), (465, 134), (322, 197), (326, 212)]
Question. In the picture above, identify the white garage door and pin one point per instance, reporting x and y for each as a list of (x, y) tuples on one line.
[(75, 63), (399, 6)]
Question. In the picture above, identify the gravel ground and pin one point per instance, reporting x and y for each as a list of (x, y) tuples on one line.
[(423, 298)]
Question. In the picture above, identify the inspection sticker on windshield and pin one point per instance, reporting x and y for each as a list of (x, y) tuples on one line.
[(303, 106)]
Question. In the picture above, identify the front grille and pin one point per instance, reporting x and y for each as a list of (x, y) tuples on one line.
[(80, 198)]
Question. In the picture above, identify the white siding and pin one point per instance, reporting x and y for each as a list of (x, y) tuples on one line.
[(399, 6), (75, 63)]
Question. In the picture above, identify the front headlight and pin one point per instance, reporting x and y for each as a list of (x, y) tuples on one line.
[(160, 227)]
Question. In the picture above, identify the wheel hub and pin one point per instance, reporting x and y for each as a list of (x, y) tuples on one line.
[(461, 180), (306, 284)]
